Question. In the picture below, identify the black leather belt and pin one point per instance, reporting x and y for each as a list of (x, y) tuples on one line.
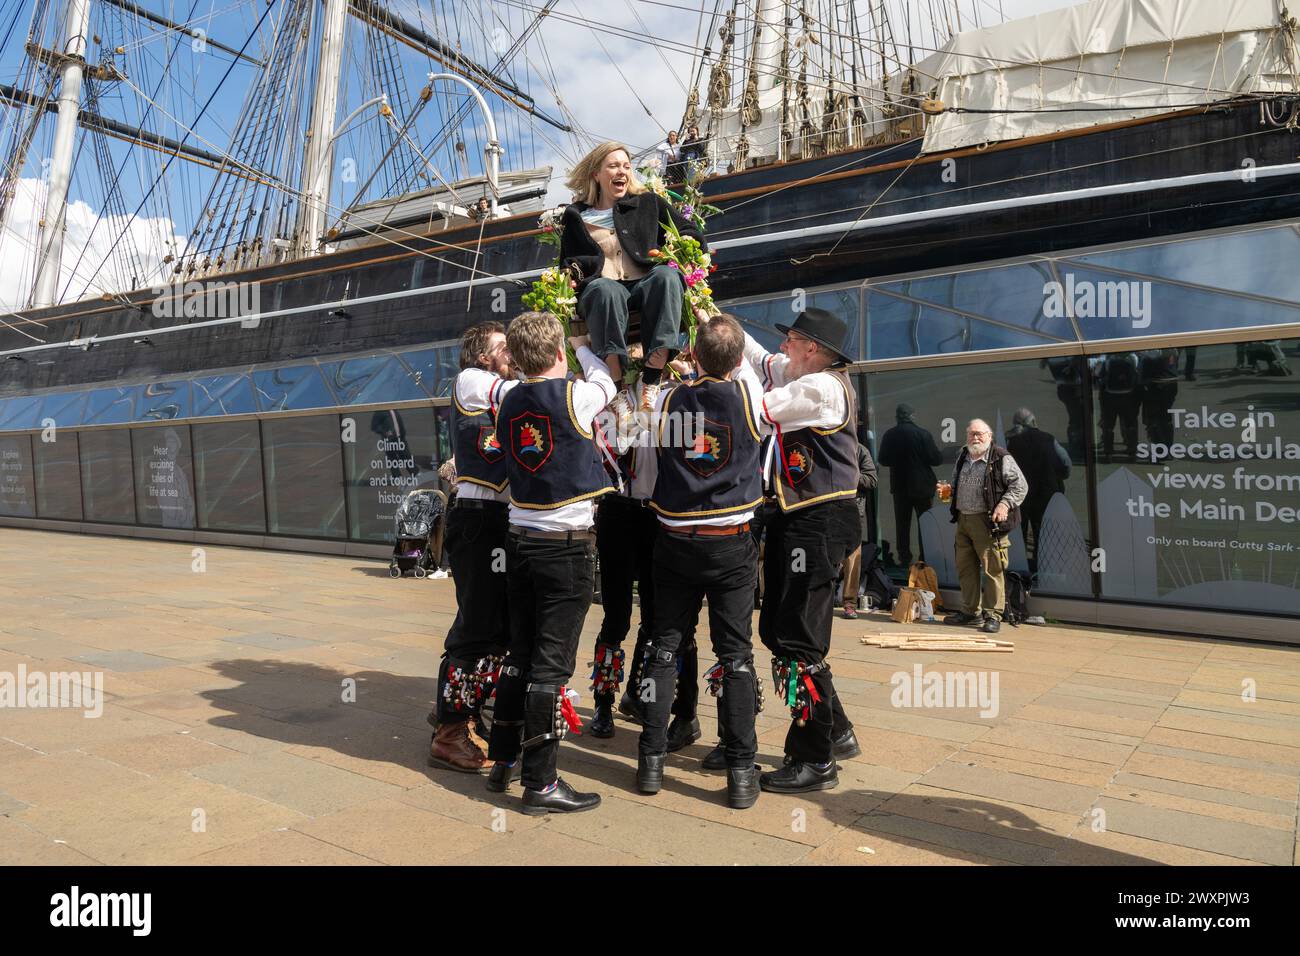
[(627, 500), (566, 536), (480, 503)]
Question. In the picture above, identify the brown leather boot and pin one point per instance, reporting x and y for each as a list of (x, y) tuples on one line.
[(453, 749)]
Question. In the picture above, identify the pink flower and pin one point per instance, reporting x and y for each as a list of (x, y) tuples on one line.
[(672, 264)]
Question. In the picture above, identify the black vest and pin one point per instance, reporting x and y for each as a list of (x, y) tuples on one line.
[(718, 474), (550, 460), (480, 459), (995, 486), (816, 465)]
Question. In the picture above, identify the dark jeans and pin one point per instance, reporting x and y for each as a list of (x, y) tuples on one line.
[(1125, 408), (476, 539), (686, 570), (800, 562), (549, 583), (625, 539), (605, 303), (904, 508)]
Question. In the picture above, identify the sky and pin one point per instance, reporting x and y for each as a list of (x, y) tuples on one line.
[(567, 67)]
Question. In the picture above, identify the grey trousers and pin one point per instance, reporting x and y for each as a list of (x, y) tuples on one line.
[(604, 305)]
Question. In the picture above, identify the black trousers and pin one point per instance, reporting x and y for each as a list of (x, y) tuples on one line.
[(686, 570), (625, 539), (549, 584), (475, 542), (904, 509), (801, 560)]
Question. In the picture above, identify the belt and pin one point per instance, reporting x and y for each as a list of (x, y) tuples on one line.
[(566, 536), (480, 503), (627, 500), (709, 530)]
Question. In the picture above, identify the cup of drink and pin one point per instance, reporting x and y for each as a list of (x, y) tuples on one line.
[(945, 491)]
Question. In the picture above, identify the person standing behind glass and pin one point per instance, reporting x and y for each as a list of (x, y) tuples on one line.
[(910, 454)]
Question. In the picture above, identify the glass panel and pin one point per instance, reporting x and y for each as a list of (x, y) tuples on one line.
[(228, 476), (17, 494), (378, 379), (58, 477), (17, 414), (110, 406), (1259, 262), (163, 401), (1110, 307), (1012, 295), (106, 485), (164, 486), (223, 395), (434, 369), (304, 476), (64, 408), (918, 421), (298, 386), (1198, 474), (760, 318), (898, 329), (393, 453)]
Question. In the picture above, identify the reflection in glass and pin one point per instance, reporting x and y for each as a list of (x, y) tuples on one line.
[(1012, 295), (17, 490), (164, 487), (1197, 493), (304, 476), (365, 381), (65, 409), (110, 406), (297, 386), (228, 476), (223, 395), (163, 401), (106, 480), (58, 477), (391, 456), (433, 369), (761, 318), (17, 414)]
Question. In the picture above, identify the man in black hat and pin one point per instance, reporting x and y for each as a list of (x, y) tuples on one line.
[(813, 468)]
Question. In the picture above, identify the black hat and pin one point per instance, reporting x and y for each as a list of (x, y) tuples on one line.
[(824, 328)]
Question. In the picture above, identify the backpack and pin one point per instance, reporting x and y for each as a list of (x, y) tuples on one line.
[(1017, 598), (878, 586)]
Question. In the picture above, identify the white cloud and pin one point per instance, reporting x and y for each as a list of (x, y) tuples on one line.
[(93, 246)]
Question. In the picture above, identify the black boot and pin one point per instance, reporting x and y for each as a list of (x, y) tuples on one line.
[(797, 777), (631, 707), (742, 787), (602, 721), (562, 799), (501, 774), (715, 759), (650, 772), (845, 746), (682, 733)]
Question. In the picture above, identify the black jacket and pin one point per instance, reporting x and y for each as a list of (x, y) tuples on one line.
[(638, 220), (909, 452)]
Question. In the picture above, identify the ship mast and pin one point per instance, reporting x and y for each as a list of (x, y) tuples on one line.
[(49, 252), (318, 157)]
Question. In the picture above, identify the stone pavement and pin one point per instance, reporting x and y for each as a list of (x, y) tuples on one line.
[(225, 737)]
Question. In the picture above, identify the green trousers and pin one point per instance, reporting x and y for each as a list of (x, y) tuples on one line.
[(981, 561)]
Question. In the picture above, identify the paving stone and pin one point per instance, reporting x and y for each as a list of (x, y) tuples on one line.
[(1014, 787), (308, 786), (124, 660), (1225, 837)]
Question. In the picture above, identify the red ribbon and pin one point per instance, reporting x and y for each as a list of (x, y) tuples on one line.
[(569, 714), (812, 691)]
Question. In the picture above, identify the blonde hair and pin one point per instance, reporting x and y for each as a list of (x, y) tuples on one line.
[(534, 339), (582, 178)]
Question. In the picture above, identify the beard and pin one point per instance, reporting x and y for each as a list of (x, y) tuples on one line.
[(977, 448)]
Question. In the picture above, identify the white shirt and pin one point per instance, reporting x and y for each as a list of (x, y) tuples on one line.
[(742, 373), (589, 398), (477, 390), (815, 400)]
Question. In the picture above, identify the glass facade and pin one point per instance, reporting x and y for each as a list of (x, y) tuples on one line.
[(1162, 475)]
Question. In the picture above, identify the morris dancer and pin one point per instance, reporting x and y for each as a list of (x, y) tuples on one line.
[(813, 408), (476, 536), (704, 497), (546, 426)]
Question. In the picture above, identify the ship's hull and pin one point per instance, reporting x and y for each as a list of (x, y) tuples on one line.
[(850, 216)]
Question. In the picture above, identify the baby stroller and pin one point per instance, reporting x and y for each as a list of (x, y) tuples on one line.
[(418, 532)]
